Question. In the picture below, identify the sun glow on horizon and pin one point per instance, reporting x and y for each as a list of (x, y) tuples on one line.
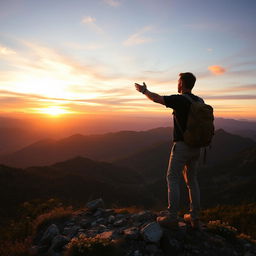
[(54, 111)]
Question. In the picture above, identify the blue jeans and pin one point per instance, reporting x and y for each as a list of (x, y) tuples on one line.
[(183, 161)]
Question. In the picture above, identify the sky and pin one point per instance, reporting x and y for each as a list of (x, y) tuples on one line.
[(82, 57)]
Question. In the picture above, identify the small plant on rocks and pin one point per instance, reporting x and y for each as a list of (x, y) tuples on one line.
[(223, 229), (82, 245)]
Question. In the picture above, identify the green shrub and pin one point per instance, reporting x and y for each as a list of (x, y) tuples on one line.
[(84, 246)]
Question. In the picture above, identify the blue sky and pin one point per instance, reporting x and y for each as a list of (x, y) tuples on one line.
[(84, 56)]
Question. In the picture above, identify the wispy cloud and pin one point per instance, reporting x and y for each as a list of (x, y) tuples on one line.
[(6, 51), (232, 89), (86, 46), (231, 97), (113, 3), (139, 37), (91, 23), (217, 70)]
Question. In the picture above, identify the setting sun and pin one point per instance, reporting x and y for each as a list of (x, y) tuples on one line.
[(54, 111)]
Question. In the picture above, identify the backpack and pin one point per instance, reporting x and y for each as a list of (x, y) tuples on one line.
[(200, 127)]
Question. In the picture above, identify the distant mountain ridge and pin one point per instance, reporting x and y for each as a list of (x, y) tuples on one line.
[(16, 134), (73, 181), (112, 147), (105, 147)]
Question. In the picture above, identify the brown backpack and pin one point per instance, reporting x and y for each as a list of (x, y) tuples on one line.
[(200, 127)]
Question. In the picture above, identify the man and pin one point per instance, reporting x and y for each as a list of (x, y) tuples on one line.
[(183, 158)]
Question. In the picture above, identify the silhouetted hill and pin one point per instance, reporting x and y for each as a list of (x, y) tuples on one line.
[(153, 161), (99, 147), (240, 127), (232, 181), (73, 181), (228, 149)]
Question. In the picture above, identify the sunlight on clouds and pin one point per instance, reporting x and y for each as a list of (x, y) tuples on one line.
[(91, 22), (113, 3), (6, 51), (217, 70), (88, 20), (138, 37), (43, 77)]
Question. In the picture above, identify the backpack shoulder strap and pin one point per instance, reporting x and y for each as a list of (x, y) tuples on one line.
[(192, 100)]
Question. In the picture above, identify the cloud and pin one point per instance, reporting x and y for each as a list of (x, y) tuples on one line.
[(113, 3), (231, 97), (138, 37), (232, 89), (87, 46), (217, 70), (6, 51), (88, 20), (91, 22)]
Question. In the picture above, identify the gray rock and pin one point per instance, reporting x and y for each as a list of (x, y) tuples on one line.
[(143, 216), (119, 223), (95, 204), (111, 219), (49, 234), (66, 230), (94, 223), (85, 223), (109, 211), (72, 232), (152, 232), (100, 220), (58, 242), (69, 223), (101, 226), (137, 253), (98, 212), (131, 233)]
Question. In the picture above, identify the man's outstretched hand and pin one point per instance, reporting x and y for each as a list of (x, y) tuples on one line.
[(141, 88)]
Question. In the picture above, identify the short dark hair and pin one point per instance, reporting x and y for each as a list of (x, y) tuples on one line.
[(188, 80)]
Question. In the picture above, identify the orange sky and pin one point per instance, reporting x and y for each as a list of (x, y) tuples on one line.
[(87, 63)]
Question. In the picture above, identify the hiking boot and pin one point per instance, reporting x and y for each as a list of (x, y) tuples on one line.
[(167, 222), (194, 223)]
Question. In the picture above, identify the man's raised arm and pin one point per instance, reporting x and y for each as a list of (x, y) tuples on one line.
[(151, 95)]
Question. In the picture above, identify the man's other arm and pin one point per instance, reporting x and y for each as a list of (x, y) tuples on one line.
[(150, 95)]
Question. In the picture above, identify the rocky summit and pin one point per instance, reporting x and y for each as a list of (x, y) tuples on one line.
[(96, 230)]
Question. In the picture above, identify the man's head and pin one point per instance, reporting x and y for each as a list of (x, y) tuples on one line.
[(186, 82)]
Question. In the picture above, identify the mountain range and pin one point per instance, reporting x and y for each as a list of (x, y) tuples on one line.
[(136, 178), (18, 133), (105, 147)]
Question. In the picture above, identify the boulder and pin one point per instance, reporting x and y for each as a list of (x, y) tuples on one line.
[(95, 204), (143, 216), (111, 219), (58, 242), (49, 234), (152, 232), (71, 232)]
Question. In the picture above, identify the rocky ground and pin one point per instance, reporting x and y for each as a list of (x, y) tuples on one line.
[(136, 234)]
